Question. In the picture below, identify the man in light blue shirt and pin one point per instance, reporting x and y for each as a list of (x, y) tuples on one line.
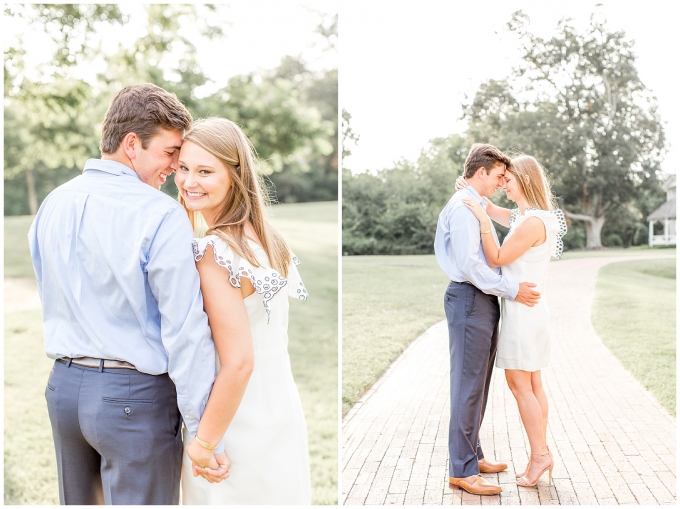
[(472, 312), (123, 313)]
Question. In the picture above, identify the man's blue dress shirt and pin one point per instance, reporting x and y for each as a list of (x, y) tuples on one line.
[(458, 248), (117, 280)]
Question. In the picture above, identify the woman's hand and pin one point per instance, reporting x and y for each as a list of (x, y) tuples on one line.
[(461, 183), (200, 456), (212, 475), (476, 209)]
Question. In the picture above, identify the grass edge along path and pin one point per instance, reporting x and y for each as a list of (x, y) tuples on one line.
[(388, 301), (634, 315)]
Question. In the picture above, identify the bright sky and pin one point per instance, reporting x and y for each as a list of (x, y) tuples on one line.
[(258, 33), (406, 67)]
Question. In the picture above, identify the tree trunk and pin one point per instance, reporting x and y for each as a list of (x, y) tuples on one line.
[(593, 228), (30, 185), (594, 233)]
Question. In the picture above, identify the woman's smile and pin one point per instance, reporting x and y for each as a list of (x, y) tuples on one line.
[(193, 195)]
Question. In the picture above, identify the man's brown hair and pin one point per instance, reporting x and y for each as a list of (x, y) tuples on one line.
[(484, 155), (144, 110)]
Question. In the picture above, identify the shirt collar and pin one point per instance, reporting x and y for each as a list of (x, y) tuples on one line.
[(108, 166), (474, 194)]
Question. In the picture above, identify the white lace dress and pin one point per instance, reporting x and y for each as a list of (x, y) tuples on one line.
[(267, 438), (524, 339)]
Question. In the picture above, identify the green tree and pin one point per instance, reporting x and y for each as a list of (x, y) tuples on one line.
[(317, 179), (47, 125), (577, 104), (47, 138), (396, 211), (349, 136), (53, 117)]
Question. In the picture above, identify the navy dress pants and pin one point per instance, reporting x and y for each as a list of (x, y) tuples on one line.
[(116, 434), (472, 318)]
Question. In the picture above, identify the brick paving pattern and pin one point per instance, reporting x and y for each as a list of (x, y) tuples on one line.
[(611, 441)]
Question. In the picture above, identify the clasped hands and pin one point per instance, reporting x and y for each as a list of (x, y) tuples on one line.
[(212, 467)]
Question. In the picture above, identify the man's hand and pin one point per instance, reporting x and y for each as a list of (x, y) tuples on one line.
[(526, 295), (214, 475), (200, 456)]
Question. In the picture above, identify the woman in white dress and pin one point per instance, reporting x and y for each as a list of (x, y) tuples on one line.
[(536, 230), (247, 274)]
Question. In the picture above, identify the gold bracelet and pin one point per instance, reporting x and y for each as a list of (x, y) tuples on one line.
[(205, 445), (488, 231)]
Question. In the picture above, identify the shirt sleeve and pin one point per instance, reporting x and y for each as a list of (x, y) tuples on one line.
[(186, 336), (465, 242), (34, 247)]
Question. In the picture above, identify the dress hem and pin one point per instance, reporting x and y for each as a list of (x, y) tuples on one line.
[(510, 366)]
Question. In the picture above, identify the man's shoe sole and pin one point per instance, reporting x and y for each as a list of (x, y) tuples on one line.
[(492, 471), (452, 485)]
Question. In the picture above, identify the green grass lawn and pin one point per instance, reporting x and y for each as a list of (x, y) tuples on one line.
[(17, 255), (312, 231), (634, 315), (388, 301), (631, 251)]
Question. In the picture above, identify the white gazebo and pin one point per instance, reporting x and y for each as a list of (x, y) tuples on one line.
[(666, 215)]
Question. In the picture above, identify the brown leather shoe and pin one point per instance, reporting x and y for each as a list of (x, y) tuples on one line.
[(476, 485), (491, 467)]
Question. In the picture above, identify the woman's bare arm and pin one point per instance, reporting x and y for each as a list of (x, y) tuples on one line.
[(530, 233), (230, 327), (500, 215)]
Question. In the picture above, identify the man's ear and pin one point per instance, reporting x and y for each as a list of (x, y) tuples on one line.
[(129, 145)]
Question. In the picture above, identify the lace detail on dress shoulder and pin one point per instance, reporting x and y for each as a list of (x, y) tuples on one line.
[(266, 281), (556, 228), (557, 247), (296, 288), (514, 214)]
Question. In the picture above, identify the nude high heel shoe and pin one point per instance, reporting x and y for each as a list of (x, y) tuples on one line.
[(526, 469), (524, 481)]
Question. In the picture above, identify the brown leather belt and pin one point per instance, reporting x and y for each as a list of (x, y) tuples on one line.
[(92, 362)]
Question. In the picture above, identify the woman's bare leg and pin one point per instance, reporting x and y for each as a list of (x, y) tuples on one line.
[(537, 388), (529, 408), (531, 412)]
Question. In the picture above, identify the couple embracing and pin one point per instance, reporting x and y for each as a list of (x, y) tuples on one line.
[(481, 271), (150, 327)]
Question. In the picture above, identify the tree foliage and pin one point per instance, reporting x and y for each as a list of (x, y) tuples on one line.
[(349, 136), (577, 104), (396, 211), (53, 117)]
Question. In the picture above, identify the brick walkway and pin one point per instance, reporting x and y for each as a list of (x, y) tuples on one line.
[(611, 441)]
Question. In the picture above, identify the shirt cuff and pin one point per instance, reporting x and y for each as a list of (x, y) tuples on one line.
[(220, 447), (513, 289), (191, 425)]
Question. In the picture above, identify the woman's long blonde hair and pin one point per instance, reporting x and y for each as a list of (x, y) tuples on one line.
[(245, 200), (533, 182)]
